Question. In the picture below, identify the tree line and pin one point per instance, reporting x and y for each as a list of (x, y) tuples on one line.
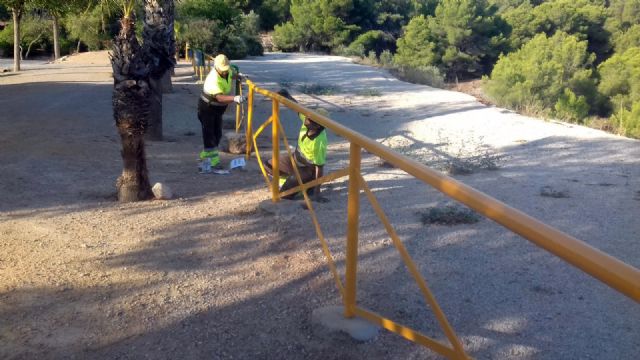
[(577, 60)]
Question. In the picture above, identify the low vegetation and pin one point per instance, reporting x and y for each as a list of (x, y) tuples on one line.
[(449, 215)]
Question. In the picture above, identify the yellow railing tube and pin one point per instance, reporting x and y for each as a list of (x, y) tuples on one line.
[(275, 166), (353, 211), (249, 129), (613, 272)]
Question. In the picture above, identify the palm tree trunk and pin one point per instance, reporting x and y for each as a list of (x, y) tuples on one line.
[(153, 38), (154, 128), (17, 52), (170, 15), (56, 38), (157, 48), (131, 93)]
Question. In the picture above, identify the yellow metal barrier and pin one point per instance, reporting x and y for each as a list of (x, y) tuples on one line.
[(611, 271)]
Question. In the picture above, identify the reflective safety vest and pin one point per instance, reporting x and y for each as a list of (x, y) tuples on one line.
[(215, 84), (314, 150)]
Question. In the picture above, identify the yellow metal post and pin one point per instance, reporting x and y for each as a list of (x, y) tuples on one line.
[(186, 51), (275, 182), (238, 106), (353, 210), (249, 130)]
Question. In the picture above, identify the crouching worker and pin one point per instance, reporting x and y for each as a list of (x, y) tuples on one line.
[(310, 155), (211, 105)]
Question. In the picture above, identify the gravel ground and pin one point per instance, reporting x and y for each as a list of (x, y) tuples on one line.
[(217, 273)]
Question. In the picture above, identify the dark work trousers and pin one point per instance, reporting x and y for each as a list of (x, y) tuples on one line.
[(307, 173), (210, 117)]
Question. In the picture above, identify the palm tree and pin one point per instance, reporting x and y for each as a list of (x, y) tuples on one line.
[(131, 92), (159, 48)]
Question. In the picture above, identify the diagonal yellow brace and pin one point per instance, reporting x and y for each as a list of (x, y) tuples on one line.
[(255, 146), (413, 269), (409, 334), (248, 130), (327, 178), (314, 218)]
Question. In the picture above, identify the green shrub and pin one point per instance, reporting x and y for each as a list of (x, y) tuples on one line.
[(202, 34), (86, 28), (627, 39), (571, 107), (425, 75), (371, 58), (386, 58), (536, 76), (6, 41), (449, 215), (628, 121), (216, 10), (620, 82), (254, 46), (235, 47), (463, 39), (584, 19), (316, 25), (373, 40), (352, 50)]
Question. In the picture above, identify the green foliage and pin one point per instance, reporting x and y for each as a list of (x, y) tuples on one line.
[(272, 12), (234, 47), (5, 13), (571, 107), (625, 13), (536, 76), (584, 19), (316, 25), (425, 75), (216, 10), (627, 39), (6, 40), (217, 26), (464, 38), (386, 58), (620, 82), (415, 47), (521, 19), (202, 34), (373, 40), (628, 121), (86, 28), (35, 33)]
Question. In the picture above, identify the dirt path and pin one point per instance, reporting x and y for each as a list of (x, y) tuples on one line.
[(214, 275)]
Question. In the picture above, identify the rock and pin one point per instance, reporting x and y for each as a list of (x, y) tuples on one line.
[(162, 191), (233, 143)]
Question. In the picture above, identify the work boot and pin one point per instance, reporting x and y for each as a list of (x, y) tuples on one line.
[(212, 155)]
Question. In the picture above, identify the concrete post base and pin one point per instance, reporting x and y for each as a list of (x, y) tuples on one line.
[(332, 319)]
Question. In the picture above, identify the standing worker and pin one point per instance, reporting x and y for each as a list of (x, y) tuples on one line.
[(212, 104), (310, 155)]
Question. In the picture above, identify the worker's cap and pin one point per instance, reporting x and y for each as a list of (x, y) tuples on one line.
[(221, 63)]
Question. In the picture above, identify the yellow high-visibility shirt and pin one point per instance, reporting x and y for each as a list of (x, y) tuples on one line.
[(215, 84), (313, 150)]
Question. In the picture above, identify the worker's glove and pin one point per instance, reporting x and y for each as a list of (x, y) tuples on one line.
[(239, 99)]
